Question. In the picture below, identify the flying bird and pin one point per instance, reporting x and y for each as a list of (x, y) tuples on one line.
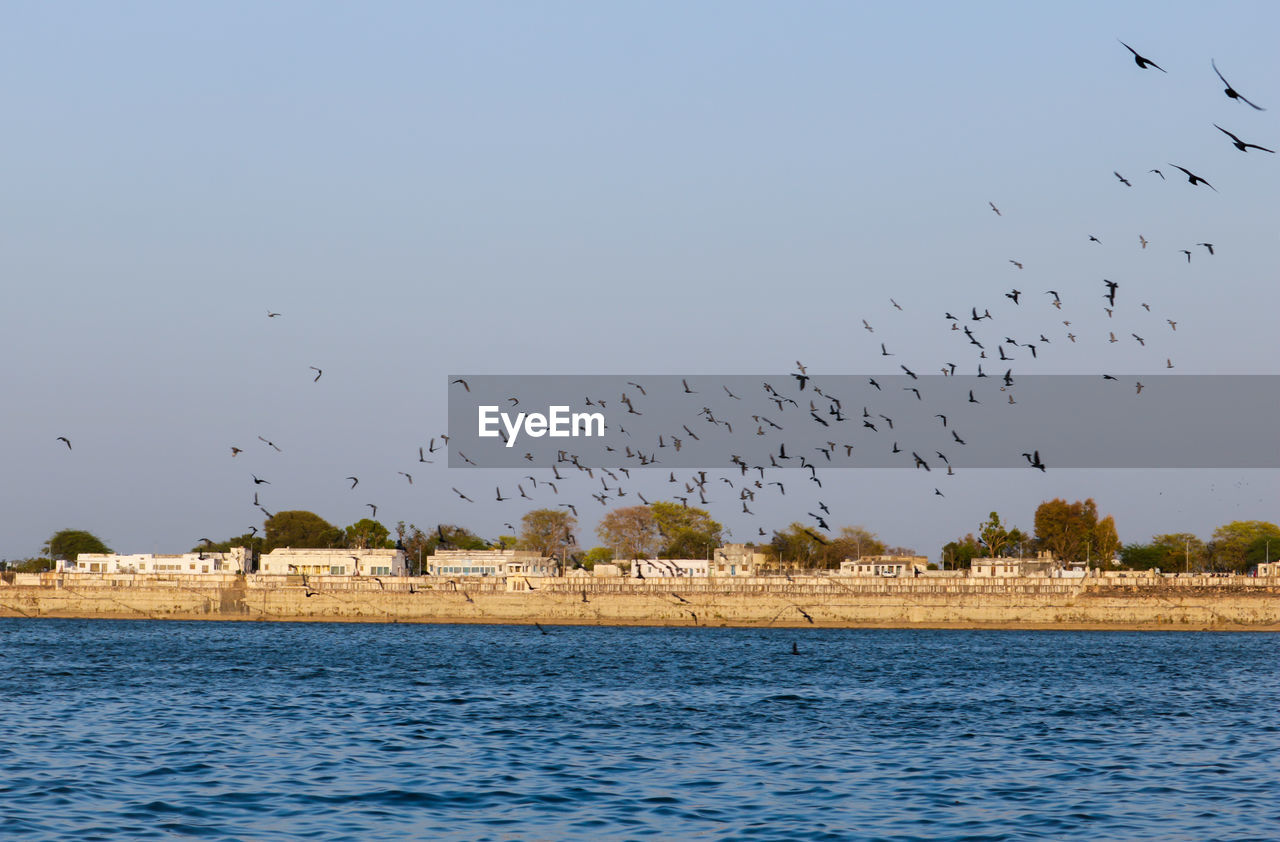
[(269, 443), (271, 315), (464, 383), (994, 208), (1123, 180), (375, 509), (67, 441), (1209, 246), (1240, 144), (468, 499), (406, 476), (235, 450), (1230, 91), (1195, 179), (317, 371), (354, 481), (1143, 61)]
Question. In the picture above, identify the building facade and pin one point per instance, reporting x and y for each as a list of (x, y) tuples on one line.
[(188, 564), (284, 561), (491, 563), (885, 565)]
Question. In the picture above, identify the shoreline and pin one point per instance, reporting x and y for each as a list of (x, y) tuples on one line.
[(1024, 604)]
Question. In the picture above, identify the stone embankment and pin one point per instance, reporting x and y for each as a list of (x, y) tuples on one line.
[(1138, 602)]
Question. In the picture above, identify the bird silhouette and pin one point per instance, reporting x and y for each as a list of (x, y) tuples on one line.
[(1123, 180), (1143, 61), (67, 442), (1230, 91), (1194, 179), (1240, 144), (317, 371)]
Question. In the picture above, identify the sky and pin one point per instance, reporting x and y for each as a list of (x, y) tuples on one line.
[(424, 190)]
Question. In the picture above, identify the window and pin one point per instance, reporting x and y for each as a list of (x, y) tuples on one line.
[(337, 570)]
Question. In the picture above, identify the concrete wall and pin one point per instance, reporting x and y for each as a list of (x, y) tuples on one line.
[(1138, 603)]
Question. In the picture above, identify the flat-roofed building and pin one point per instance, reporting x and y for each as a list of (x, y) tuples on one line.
[(236, 560), (491, 563), (284, 561), (885, 565)]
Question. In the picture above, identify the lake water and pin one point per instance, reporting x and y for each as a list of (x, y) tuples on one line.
[(274, 731)]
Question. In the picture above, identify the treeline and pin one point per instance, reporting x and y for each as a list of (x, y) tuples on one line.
[(1071, 532)]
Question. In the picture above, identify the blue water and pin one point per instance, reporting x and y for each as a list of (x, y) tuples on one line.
[(272, 731)]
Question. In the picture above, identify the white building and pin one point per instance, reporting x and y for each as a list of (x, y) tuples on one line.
[(671, 568), (1043, 565), (491, 563), (885, 565), (197, 563), (330, 562)]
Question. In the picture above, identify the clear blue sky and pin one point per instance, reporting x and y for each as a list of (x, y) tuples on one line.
[(676, 188)]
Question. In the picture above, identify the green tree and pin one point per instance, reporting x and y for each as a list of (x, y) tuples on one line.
[(1143, 557), (596, 555), (1070, 530), (415, 544), (801, 546), (1182, 551), (631, 530), (1105, 541), (69, 543), (248, 540), (301, 530), (688, 532), (548, 532), (994, 536), (368, 534), (451, 537), (958, 554), (1236, 544)]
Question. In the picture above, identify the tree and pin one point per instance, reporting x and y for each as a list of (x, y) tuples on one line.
[(994, 536), (450, 537), (301, 530), (688, 532), (248, 541), (548, 532), (414, 543), (69, 543), (958, 554), (1070, 530), (1143, 557), (1106, 543), (1236, 544), (596, 555), (1181, 551), (367, 534), (801, 546), (631, 530)]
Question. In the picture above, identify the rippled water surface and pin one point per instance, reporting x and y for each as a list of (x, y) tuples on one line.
[(138, 730)]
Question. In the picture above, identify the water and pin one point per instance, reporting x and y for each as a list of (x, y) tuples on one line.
[(142, 730)]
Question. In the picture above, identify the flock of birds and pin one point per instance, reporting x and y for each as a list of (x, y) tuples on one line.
[(987, 345)]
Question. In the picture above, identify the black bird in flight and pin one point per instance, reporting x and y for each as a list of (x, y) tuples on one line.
[(271, 315), (269, 443), (1195, 179), (67, 441), (235, 450), (464, 383), (1240, 144), (1013, 295), (354, 481), (994, 208), (422, 457), (1123, 180), (1209, 246), (375, 509), (257, 481), (1034, 460), (1111, 292), (317, 371), (406, 476), (1230, 91), (1143, 61), (463, 496), (1157, 172), (687, 390)]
